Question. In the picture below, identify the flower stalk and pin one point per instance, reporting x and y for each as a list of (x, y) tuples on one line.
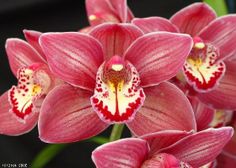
[(116, 132)]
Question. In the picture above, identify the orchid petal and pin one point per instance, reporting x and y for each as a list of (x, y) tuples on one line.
[(115, 38), (224, 95), (153, 24), (193, 18), (10, 125), (125, 153), (158, 56), (202, 147), (33, 39), (222, 34), (67, 116), (165, 108), (74, 57), (20, 54)]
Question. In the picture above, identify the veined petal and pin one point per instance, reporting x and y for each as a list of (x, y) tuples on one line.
[(67, 116), (153, 24), (20, 54), (115, 38), (158, 56), (125, 153), (74, 57), (160, 112), (9, 123), (224, 95), (193, 18), (202, 147), (33, 39), (222, 34)]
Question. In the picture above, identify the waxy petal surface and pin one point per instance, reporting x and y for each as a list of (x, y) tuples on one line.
[(67, 116), (10, 125), (20, 54), (125, 153), (153, 24), (193, 18), (222, 34), (74, 57), (158, 56), (115, 38), (165, 108), (202, 147)]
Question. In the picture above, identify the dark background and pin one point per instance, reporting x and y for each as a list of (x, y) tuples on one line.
[(59, 16)]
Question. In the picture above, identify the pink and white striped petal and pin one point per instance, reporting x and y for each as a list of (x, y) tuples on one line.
[(115, 38), (160, 112), (74, 57), (124, 153), (222, 34), (158, 56), (21, 54), (67, 116), (122, 9), (154, 24), (10, 125), (202, 147), (224, 95), (193, 18), (32, 38)]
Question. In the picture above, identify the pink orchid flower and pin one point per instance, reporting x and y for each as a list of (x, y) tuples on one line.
[(208, 69), (164, 149), (116, 71), (20, 105)]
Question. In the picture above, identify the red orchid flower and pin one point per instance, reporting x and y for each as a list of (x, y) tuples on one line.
[(208, 69), (164, 149), (20, 105), (116, 71)]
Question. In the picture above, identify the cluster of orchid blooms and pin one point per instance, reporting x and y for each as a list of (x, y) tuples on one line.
[(172, 82)]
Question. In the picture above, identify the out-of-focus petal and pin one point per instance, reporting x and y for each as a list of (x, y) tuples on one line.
[(125, 153), (33, 39), (74, 57), (20, 54), (193, 18), (159, 56), (67, 116), (9, 123), (165, 108), (153, 24), (115, 38), (202, 147), (224, 95), (222, 34)]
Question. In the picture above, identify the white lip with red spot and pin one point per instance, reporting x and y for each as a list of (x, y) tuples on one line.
[(202, 68), (117, 95)]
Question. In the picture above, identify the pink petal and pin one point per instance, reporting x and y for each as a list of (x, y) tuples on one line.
[(10, 125), (67, 116), (224, 95), (202, 147), (33, 39), (203, 114), (193, 18), (125, 153), (20, 54), (163, 139), (159, 56), (115, 38), (74, 57), (152, 24), (222, 33), (160, 112)]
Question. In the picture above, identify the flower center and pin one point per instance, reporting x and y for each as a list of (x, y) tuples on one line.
[(118, 94), (202, 68)]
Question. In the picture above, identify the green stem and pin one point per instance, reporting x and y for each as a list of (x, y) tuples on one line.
[(218, 5), (116, 132)]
